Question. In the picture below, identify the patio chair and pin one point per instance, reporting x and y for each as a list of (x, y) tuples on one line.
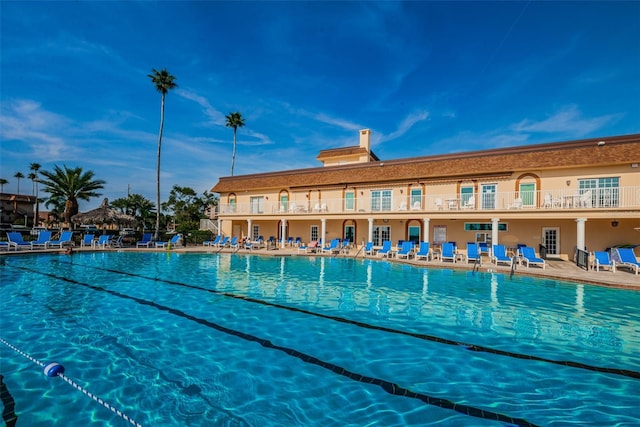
[(65, 239), (473, 253), (223, 242), (448, 252), (406, 251), (625, 257), (15, 240), (311, 247), (173, 242), (212, 242), (369, 249), (103, 241), (424, 251), (87, 240), (42, 240), (333, 248), (385, 251), (470, 203), (499, 255), (601, 259), (529, 257), (233, 243), (146, 240), (117, 243)]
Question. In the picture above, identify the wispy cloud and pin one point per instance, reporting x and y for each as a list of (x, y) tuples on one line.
[(404, 127), (215, 117), (567, 121)]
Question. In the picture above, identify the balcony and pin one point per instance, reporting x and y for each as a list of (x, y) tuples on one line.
[(619, 198)]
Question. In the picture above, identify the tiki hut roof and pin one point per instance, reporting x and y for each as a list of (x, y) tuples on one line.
[(103, 215)]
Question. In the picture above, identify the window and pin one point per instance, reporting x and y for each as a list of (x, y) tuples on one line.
[(350, 232), (416, 198), (314, 233), (488, 196), (381, 200), (232, 205), (414, 234), (349, 201), (605, 192), (380, 234), (255, 232), (483, 226), (465, 194), (284, 202), (257, 205), (528, 194)]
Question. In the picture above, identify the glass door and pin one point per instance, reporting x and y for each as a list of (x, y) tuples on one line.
[(551, 239), (488, 196)]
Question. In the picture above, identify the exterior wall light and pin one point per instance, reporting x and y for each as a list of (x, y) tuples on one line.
[(614, 223)]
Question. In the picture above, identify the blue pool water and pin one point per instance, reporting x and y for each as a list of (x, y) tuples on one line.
[(240, 340)]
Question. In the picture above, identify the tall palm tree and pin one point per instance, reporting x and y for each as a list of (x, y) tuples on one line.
[(35, 167), (2, 183), (235, 121), (18, 176), (71, 185), (164, 82)]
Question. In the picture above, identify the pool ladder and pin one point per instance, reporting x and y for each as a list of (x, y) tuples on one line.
[(476, 265), (513, 267)]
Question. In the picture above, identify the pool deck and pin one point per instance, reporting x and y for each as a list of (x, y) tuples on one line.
[(555, 269)]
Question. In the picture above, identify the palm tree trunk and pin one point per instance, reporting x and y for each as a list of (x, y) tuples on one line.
[(157, 233), (233, 155)]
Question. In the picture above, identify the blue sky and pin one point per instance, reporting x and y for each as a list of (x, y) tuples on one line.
[(425, 77)]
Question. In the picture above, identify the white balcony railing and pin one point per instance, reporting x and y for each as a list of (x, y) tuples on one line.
[(609, 198)]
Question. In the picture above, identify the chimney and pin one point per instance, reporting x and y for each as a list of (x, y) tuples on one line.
[(365, 139)]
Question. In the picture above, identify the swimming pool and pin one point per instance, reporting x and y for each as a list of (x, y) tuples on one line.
[(243, 340)]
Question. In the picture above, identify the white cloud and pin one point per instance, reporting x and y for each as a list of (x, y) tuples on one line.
[(406, 125), (215, 117), (568, 121)]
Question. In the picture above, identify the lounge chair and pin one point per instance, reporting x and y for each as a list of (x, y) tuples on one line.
[(222, 242), (289, 241), (103, 241), (298, 241), (529, 257), (212, 242), (369, 249), (333, 248), (499, 255), (483, 248), (625, 257), (117, 243), (311, 247), (385, 251), (173, 242), (473, 253), (448, 252), (406, 251), (146, 240), (16, 241), (257, 244), (42, 240), (87, 240), (602, 260), (424, 251), (233, 243), (65, 239)]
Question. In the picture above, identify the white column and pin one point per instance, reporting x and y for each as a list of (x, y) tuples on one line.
[(425, 232), (249, 229), (580, 233), (494, 230), (283, 229), (370, 232), (219, 226), (323, 231)]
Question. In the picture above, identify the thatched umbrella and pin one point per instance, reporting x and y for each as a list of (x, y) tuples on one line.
[(104, 215)]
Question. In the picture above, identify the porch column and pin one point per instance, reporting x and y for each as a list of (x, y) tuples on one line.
[(323, 231), (219, 226), (370, 232), (425, 232), (249, 229), (580, 233), (494, 230), (283, 229)]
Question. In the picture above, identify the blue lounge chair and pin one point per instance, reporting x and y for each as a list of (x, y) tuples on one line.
[(334, 247), (602, 260), (473, 253), (499, 255), (529, 257), (174, 241), (625, 257), (249, 245), (368, 249), (65, 239), (406, 250), (16, 241), (42, 240), (484, 249), (233, 243), (448, 252), (223, 242), (385, 251), (424, 251), (87, 240), (298, 241), (212, 242), (103, 241), (146, 240)]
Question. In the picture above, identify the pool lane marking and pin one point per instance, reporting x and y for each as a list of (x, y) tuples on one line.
[(387, 386), (472, 347)]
